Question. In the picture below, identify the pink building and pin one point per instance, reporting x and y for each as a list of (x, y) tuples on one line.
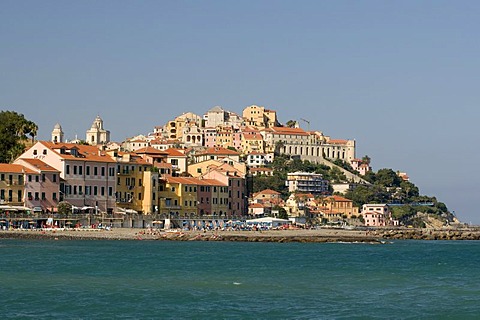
[(235, 180), (210, 137), (374, 219), (205, 195), (87, 174), (377, 215), (360, 166), (42, 185)]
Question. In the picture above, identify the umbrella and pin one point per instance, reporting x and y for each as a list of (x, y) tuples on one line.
[(68, 222)]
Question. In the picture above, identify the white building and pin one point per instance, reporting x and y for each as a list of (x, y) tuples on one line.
[(97, 134), (306, 182)]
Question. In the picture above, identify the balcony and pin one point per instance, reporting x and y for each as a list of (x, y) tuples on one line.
[(15, 183), (124, 200)]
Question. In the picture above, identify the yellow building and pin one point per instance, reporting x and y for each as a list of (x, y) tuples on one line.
[(225, 139), (178, 197), (339, 205), (252, 141), (175, 128), (135, 183), (12, 184), (259, 117), (198, 169)]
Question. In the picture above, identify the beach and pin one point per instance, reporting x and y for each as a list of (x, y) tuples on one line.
[(298, 235)]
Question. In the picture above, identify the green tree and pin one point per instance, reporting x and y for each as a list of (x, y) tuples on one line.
[(278, 146), (275, 182), (291, 123), (387, 178), (64, 208), (282, 213), (366, 159), (14, 132)]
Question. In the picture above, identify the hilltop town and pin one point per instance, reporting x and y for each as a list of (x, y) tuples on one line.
[(204, 171)]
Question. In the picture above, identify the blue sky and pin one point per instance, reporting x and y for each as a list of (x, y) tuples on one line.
[(399, 77)]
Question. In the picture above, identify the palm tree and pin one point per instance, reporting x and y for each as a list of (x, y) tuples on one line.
[(291, 123)]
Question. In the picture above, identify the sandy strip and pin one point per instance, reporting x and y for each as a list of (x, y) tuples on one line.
[(318, 235)]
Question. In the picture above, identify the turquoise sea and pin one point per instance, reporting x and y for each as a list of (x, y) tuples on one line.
[(230, 280)]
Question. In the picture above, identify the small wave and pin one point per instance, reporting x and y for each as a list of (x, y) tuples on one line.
[(237, 283)]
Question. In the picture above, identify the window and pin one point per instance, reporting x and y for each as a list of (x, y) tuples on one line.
[(80, 190), (54, 196), (74, 189), (199, 170), (95, 171), (43, 196), (37, 196), (118, 181), (80, 170), (110, 191), (95, 190), (29, 178), (67, 169), (102, 191), (19, 195), (29, 195), (54, 177), (44, 151), (35, 152), (140, 196), (43, 177), (37, 178), (103, 171), (2, 194), (87, 170), (74, 169)]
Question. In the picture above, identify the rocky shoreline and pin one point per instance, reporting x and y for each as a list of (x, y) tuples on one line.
[(303, 236)]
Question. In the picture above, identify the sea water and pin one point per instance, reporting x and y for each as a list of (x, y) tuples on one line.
[(234, 280)]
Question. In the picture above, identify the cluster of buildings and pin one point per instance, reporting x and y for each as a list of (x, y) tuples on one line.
[(193, 166)]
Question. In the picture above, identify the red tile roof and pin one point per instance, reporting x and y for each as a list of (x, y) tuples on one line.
[(150, 150), (175, 153), (286, 130), (261, 169), (219, 151), (267, 191), (14, 168), (85, 152), (40, 165)]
